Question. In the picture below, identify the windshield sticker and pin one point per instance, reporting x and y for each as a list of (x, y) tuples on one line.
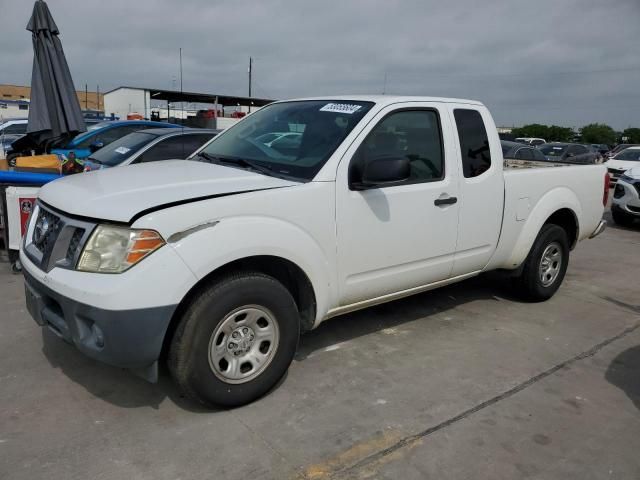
[(122, 150), (557, 148), (341, 108)]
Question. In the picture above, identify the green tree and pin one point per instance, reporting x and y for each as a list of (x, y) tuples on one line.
[(532, 130), (560, 134), (553, 133), (633, 134), (598, 133)]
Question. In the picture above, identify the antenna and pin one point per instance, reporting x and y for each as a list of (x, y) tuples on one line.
[(250, 74), (181, 91), (181, 104)]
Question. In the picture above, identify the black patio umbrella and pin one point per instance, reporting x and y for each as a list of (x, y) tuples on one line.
[(54, 111)]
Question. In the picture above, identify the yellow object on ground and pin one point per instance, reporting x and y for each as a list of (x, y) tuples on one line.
[(40, 163)]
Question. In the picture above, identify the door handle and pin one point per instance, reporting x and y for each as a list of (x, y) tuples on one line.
[(445, 201)]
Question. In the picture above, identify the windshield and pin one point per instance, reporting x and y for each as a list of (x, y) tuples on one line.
[(629, 154), (117, 152), (292, 139), (553, 150)]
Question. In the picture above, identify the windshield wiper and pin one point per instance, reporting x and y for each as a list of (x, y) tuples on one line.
[(206, 156), (241, 162), (95, 160)]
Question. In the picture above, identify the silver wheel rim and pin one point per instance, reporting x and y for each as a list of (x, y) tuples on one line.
[(243, 345), (550, 264)]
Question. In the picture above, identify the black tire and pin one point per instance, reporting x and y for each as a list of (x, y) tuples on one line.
[(529, 284), (189, 360), (621, 218)]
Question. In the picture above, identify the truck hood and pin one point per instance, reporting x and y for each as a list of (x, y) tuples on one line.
[(633, 172), (120, 194), (621, 164)]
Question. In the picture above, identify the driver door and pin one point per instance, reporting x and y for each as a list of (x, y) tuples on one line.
[(398, 237)]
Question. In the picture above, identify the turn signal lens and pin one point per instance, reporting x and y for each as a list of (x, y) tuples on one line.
[(147, 242), (112, 249), (605, 195)]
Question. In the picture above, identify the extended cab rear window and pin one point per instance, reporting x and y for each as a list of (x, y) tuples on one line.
[(474, 142)]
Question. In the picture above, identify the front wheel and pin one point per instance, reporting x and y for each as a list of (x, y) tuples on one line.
[(235, 340), (545, 266)]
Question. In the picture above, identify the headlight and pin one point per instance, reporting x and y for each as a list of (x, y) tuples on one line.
[(626, 178), (113, 249)]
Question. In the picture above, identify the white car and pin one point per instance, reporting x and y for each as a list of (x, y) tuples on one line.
[(10, 131), (219, 263), (625, 206), (531, 141), (17, 126), (623, 161)]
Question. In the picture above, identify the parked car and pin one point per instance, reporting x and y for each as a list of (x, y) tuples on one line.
[(520, 151), (104, 133), (569, 153), (625, 206), (6, 141), (149, 146), (623, 161), (601, 148), (531, 140), (13, 126), (618, 148), (218, 264)]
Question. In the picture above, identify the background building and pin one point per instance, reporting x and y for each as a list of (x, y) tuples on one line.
[(22, 94), (190, 108)]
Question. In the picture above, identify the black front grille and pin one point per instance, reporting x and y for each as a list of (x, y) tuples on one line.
[(74, 245), (45, 231), (615, 174), (56, 240), (619, 191)]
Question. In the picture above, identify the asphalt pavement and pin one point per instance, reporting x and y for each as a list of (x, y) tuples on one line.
[(462, 382)]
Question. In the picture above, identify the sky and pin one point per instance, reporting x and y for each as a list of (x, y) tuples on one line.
[(568, 62)]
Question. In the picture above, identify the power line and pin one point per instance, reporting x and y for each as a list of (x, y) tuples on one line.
[(524, 74)]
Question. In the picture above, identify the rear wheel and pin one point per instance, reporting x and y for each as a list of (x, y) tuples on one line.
[(546, 264), (235, 340), (621, 218)]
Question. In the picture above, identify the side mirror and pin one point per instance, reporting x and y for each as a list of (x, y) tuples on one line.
[(95, 146), (383, 172)]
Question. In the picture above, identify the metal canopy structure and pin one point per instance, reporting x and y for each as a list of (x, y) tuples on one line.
[(173, 96)]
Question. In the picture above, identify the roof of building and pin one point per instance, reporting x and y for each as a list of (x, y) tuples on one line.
[(196, 97)]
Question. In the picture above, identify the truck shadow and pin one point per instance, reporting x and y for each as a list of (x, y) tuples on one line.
[(121, 388), (489, 286), (634, 227), (113, 385), (624, 371)]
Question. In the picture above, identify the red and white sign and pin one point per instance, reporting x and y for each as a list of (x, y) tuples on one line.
[(26, 207)]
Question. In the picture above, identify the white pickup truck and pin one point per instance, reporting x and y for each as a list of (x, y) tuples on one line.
[(218, 263)]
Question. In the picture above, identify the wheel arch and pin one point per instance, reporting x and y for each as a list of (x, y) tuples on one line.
[(294, 279), (567, 219), (559, 206)]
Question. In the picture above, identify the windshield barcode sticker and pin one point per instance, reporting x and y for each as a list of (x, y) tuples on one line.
[(341, 108), (122, 150)]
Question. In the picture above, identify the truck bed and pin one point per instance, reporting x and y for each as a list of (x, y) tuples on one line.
[(533, 191), (515, 163)]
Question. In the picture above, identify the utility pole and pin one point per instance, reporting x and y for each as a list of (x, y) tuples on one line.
[(250, 72), (86, 96), (98, 97)]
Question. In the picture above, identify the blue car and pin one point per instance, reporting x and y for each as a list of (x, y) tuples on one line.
[(101, 134)]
